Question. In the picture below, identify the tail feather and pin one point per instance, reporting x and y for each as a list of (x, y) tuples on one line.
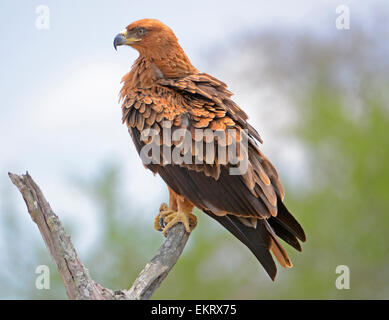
[(286, 219), (257, 240), (284, 234), (277, 249), (263, 239)]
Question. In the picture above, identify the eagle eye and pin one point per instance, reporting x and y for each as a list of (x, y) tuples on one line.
[(141, 31)]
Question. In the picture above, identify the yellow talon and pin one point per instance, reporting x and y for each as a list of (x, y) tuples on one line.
[(166, 219)]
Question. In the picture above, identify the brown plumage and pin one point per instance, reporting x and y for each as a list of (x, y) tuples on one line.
[(164, 91)]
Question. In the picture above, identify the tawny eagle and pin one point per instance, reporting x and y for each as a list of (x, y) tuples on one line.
[(164, 92)]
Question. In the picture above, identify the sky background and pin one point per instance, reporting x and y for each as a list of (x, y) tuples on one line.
[(59, 112)]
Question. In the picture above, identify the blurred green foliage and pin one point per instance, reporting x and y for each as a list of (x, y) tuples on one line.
[(343, 118)]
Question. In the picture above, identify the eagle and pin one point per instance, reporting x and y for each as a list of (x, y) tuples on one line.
[(184, 125)]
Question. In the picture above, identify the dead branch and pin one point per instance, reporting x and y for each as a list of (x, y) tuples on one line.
[(76, 278)]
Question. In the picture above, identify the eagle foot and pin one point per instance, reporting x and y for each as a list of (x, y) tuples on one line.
[(167, 218)]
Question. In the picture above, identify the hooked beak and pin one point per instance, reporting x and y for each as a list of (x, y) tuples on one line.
[(122, 39), (119, 40)]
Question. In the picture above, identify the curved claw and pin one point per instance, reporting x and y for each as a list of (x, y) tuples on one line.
[(166, 219)]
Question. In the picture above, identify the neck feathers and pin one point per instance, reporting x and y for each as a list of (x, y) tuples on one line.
[(171, 60), (168, 62)]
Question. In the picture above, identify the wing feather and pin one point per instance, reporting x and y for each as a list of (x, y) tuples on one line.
[(249, 205)]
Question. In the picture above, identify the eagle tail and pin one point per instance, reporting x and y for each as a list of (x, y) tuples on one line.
[(258, 240), (263, 239)]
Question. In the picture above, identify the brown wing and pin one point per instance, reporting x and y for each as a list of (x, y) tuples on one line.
[(248, 205)]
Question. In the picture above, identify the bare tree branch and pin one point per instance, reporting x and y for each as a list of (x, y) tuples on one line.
[(76, 278)]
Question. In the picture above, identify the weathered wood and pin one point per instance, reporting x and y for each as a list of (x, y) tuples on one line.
[(76, 278)]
